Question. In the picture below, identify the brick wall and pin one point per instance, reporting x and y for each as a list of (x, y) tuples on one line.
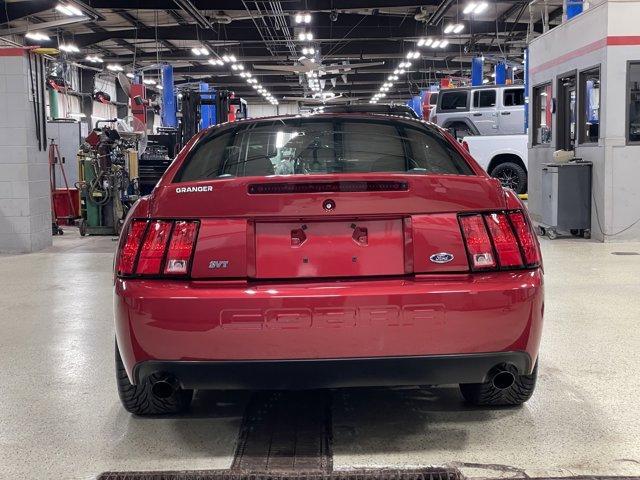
[(25, 205)]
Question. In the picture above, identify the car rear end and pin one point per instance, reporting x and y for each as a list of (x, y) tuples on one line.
[(326, 251)]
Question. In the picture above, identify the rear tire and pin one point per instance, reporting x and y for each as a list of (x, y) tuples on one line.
[(462, 130), (487, 394), (140, 400), (512, 176)]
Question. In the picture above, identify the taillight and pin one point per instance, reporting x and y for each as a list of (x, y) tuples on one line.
[(153, 248), (526, 238), (504, 240), (180, 248), (129, 250), (156, 247), (478, 243), (500, 240)]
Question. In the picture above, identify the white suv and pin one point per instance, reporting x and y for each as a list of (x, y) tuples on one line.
[(486, 110)]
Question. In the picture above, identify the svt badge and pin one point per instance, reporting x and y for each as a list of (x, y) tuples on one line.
[(217, 264)]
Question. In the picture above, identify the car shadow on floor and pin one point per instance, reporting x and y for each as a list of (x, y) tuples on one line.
[(397, 420), (364, 420)]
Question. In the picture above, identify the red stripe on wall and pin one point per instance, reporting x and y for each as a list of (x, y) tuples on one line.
[(592, 47), (624, 40), (11, 52), (613, 41)]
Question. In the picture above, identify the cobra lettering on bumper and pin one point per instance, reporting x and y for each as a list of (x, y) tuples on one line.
[(330, 317)]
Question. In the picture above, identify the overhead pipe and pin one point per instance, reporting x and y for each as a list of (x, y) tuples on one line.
[(440, 12)]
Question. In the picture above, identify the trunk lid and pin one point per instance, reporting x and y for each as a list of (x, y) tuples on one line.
[(366, 225)]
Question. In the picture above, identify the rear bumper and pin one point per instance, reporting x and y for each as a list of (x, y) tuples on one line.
[(290, 329), (356, 372)]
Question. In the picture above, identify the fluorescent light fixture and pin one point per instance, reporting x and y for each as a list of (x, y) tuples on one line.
[(302, 36), (458, 28), (225, 58), (444, 43), (114, 67), (428, 42), (149, 81), (69, 10), (68, 47), (299, 18), (401, 71), (232, 58), (77, 115), (421, 42), (129, 74), (469, 8), (37, 36), (234, 67), (435, 44), (93, 59), (481, 7), (449, 28)]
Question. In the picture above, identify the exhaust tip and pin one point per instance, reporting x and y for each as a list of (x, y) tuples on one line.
[(503, 380), (164, 388)]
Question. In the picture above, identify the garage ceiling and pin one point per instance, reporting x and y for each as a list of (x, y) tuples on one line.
[(144, 33)]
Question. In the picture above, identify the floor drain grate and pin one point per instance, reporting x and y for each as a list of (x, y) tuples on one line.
[(384, 474), (625, 253)]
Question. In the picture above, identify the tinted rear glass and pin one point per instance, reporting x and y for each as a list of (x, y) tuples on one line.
[(318, 146), (453, 101)]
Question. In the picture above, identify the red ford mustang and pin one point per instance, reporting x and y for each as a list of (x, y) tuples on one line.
[(326, 251)]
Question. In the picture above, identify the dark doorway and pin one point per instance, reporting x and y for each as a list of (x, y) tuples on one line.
[(566, 114)]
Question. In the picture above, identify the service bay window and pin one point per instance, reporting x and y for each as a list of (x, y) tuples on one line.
[(633, 102), (542, 114), (590, 106)]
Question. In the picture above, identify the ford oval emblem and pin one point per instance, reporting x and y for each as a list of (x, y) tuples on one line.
[(442, 257)]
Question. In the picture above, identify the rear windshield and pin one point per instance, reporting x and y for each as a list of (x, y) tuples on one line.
[(307, 146)]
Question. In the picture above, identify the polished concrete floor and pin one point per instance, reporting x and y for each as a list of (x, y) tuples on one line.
[(60, 416)]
